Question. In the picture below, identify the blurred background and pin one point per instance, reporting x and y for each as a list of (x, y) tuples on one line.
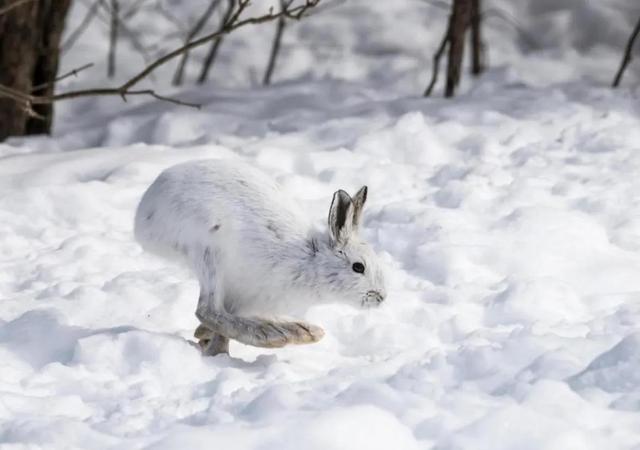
[(387, 46)]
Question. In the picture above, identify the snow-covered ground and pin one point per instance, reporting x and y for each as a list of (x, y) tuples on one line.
[(508, 218)]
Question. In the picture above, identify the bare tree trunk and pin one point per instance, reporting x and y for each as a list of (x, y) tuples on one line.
[(626, 59), (29, 47), (52, 25), (215, 45), (275, 47), (113, 38), (477, 47), (460, 14), (27, 100)]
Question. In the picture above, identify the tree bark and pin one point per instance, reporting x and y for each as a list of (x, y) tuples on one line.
[(460, 14), (29, 48), (477, 47)]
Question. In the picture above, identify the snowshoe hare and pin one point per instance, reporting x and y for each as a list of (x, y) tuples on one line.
[(254, 253)]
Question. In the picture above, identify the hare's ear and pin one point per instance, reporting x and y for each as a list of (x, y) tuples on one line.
[(341, 218), (358, 204)]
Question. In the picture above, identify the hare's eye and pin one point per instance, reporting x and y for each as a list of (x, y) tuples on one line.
[(358, 267)]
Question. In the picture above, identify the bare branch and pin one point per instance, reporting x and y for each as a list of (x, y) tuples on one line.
[(73, 72), (170, 17), (133, 9), (436, 63), (113, 39), (13, 5), (177, 78), (126, 31), (508, 19), (28, 100), (627, 55), (86, 20), (215, 45), (277, 40), (124, 90)]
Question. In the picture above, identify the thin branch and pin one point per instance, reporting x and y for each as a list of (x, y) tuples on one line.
[(627, 55), (73, 72), (86, 20), (177, 78), (28, 100), (215, 45), (94, 11), (507, 18), (126, 31), (168, 15), (124, 90), (436, 62), (133, 9), (277, 40), (113, 39), (13, 5)]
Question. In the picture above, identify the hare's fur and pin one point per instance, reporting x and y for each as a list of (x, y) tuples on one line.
[(254, 253)]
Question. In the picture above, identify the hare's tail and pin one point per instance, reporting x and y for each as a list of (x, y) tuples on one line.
[(257, 331)]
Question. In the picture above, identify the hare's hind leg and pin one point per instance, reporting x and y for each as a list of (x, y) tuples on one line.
[(211, 297), (210, 342), (259, 332)]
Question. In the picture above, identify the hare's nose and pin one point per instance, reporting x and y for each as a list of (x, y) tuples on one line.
[(375, 296)]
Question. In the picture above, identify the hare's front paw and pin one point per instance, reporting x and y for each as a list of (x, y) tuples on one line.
[(279, 334)]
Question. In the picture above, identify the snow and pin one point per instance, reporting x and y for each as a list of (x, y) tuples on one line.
[(508, 218)]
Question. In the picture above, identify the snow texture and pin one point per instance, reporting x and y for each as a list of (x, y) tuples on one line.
[(508, 220)]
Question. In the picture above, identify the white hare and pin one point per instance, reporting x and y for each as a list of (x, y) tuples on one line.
[(254, 253)]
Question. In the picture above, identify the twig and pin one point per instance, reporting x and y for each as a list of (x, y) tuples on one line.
[(627, 55), (86, 20), (177, 78), (500, 14), (275, 47), (94, 11), (124, 90), (73, 72), (113, 39), (133, 9), (13, 5), (215, 45), (28, 100), (159, 8), (436, 62), (122, 27)]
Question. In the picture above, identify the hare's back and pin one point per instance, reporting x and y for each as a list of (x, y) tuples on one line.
[(201, 202)]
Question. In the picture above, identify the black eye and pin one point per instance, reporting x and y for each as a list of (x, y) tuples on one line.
[(358, 267)]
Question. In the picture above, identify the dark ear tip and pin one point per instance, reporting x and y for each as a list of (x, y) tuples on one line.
[(364, 189), (342, 193)]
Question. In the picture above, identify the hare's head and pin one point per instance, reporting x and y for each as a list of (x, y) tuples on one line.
[(351, 265)]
